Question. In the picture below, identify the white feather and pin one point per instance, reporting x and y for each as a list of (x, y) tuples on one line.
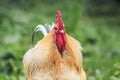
[(42, 29), (45, 29)]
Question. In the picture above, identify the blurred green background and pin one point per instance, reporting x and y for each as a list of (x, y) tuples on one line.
[(95, 23)]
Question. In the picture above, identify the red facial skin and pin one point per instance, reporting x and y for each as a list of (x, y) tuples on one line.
[(59, 33)]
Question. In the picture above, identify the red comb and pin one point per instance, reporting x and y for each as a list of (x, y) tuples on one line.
[(59, 20)]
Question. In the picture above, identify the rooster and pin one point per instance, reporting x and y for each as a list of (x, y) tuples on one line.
[(55, 57)]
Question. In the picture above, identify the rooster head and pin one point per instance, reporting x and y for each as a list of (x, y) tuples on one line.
[(59, 33)]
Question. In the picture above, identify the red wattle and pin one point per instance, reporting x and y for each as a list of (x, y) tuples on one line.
[(60, 40)]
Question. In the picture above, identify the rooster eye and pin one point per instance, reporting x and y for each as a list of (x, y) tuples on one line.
[(55, 27)]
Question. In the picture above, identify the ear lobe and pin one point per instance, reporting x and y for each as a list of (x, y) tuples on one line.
[(62, 31)]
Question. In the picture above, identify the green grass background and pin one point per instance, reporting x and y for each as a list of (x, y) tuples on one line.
[(98, 34)]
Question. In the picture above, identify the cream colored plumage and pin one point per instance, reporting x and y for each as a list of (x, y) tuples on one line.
[(44, 62)]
